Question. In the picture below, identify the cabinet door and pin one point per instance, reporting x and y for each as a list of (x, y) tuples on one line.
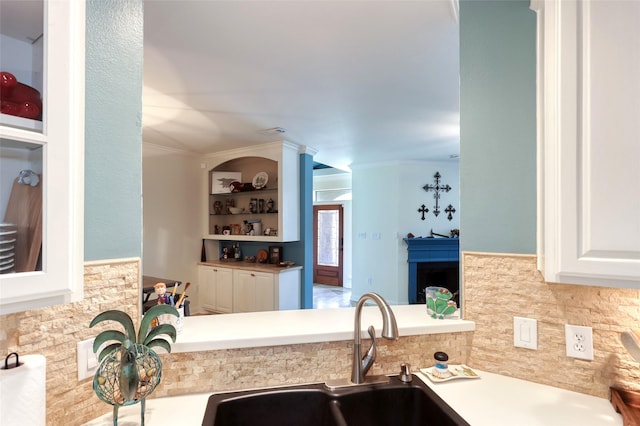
[(252, 291), (57, 70), (286, 288), (263, 291), (206, 291), (243, 295), (224, 290), (216, 293), (589, 101)]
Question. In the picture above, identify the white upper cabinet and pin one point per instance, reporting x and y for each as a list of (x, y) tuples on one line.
[(589, 141), (41, 153)]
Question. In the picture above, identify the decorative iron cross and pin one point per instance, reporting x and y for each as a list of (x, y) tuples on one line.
[(423, 209), (437, 188), (451, 211)]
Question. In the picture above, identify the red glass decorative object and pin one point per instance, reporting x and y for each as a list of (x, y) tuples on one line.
[(19, 99)]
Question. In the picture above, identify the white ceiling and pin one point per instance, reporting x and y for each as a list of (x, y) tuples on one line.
[(360, 81)]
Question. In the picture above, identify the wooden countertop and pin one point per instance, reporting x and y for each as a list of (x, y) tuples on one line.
[(250, 266)]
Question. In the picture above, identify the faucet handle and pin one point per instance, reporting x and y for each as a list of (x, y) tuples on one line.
[(370, 356), (405, 373)]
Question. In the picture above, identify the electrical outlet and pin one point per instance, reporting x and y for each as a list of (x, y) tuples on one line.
[(579, 341)]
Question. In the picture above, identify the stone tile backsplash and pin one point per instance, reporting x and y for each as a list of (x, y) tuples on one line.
[(498, 287)]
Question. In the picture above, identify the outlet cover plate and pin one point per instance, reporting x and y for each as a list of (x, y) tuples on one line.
[(87, 360), (579, 341)]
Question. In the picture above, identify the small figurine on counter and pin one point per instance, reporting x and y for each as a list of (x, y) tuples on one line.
[(161, 290)]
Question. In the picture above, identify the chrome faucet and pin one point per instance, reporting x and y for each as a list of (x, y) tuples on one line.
[(360, 367)]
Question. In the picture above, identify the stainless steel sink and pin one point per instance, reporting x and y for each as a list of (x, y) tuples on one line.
[(391, 404)]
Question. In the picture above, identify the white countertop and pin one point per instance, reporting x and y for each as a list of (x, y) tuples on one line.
[(495, 400), (492, 400), (258, 329)]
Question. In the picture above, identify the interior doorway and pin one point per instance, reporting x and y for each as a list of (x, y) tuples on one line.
[(328, 241)]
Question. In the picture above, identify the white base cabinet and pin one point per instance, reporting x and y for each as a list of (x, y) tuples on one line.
[(216, 291), (236, 289), (253, 291)]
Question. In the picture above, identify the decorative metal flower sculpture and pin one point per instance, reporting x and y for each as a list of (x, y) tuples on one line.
[(129, 369)]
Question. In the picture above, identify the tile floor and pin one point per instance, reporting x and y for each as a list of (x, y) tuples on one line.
[(328, 296)]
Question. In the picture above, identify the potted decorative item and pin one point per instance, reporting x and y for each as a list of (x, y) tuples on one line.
[(129, 370), (439, 303)]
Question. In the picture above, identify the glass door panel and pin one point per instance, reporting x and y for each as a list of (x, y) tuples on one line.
[(22, 77), (328, 238), (20, 206), (41, 152), (22, 41)]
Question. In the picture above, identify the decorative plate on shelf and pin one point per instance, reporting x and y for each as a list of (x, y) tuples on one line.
[(7, 261), (260, 180), (7, 268), (262, 256), (4, 257)]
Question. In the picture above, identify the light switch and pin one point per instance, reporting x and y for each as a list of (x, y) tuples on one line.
[(525, 333), (92, 359), (87, 360)]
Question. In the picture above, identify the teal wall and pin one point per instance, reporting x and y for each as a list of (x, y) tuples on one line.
[(497, 166), (306, 230), (497, 126), (113, 132)]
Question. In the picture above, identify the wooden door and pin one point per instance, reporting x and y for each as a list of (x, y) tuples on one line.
[(327, 244)]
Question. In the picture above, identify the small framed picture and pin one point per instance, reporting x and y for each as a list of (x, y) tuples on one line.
[(221, 181), (275, 254)]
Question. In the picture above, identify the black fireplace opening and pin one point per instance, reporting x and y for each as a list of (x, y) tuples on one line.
[(437, 274)]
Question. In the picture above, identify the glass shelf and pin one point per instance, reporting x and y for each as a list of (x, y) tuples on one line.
[(20, 122)]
